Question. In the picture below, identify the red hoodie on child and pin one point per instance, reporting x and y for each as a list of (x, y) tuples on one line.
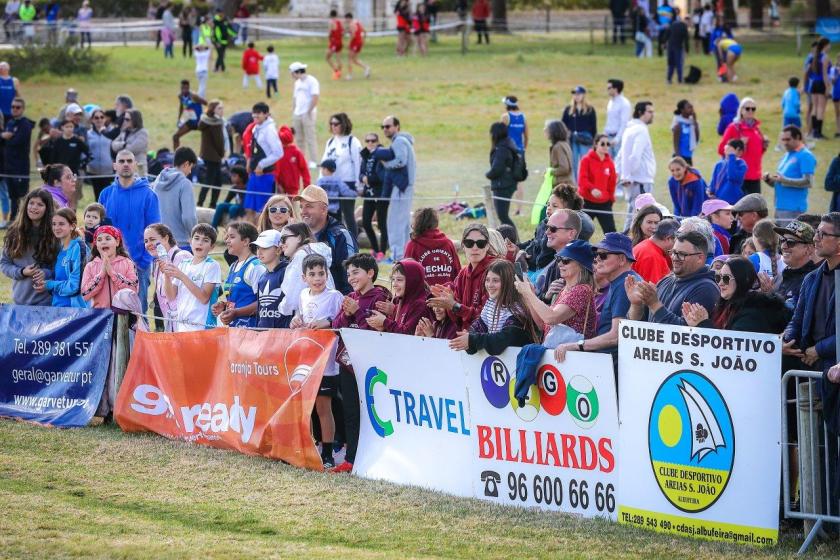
[(292, 166), (437, 254), (411, 307), (367, 303), (251, 61)]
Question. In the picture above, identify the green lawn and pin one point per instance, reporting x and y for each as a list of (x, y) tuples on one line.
[(99, 492)]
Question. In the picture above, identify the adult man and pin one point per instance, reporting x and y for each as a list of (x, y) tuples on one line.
[(223, 33), (749, 210), (10, 15), (691, 282), (664, 16), (9, 89), (618, 9), (653, 259), (793, 177), (17, 134), (176, 199), (562, 227), (76, 114), (618, 114), (122, 104), (704, 228), (678, 45), (613, 261), (399, 210), (797, 254), (189, 112), (313, 210), (307, 92), (636, 164), (132, 206)]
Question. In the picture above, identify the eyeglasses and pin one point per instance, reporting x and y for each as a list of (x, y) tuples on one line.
[(750, 109), (276, 209), (470, 243), (71, 176), (680, 256), (792, 242), (386, 126), (283, 238), (723, 279), (97, 117), (17, 106), (820, 234), (555, 229), (603, 255)]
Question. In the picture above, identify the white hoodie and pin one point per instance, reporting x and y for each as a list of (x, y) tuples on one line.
[(266, 136), (636, 162), (293, 282)]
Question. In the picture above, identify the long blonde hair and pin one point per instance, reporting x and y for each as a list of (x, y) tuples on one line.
[(585, 107), (263, 223), (766, 239)]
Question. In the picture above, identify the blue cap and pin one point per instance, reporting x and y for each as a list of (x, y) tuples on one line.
[(615, 242), (579, 251), (579, 89)]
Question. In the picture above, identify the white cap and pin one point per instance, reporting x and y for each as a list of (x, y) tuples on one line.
[(268, 238), (73, 108), (296, 66)]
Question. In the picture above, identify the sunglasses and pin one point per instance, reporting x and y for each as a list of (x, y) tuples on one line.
[(334, 123), (603, 255), (750, 109), (386, 126), (792, 242), (604, 144), (470, 243), (564, 261), (723, 279), (276, 209), (17, 106), (555, 229), (97, 117), (370, 141)]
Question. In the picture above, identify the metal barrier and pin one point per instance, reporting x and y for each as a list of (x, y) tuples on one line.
[(815, 453)]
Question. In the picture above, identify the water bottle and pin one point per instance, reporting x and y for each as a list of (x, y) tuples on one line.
[(161, 251)]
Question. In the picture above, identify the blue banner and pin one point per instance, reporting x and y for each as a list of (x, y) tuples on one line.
[(53, 362), (828, 27)]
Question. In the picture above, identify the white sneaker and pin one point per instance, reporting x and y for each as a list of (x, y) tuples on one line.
[(367, 72), (3, 224)]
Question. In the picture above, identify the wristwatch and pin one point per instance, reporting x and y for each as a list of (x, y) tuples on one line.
[(580, 345)]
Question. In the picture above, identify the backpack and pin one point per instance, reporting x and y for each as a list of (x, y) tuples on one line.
[(694, 75), (519, 168)]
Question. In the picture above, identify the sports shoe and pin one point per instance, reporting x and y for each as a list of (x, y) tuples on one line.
[(328, 463), (337, 75), (344, 467), (367, 72)]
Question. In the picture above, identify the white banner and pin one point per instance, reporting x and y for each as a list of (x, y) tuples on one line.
[(700, 430)]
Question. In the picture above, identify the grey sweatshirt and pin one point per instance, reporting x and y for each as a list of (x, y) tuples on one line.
[(22, 291), (403, 145), (177, 203)]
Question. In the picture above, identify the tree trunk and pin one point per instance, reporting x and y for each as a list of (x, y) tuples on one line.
[(756, 14), (823, 8), (729, 16), (499, 15)]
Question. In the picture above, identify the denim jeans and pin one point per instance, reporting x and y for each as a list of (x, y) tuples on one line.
[(143, 281), (5, 201), (399, 221), (578, 151)]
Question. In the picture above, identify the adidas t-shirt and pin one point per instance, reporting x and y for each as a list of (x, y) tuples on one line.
[(191, 314), (270, 294)]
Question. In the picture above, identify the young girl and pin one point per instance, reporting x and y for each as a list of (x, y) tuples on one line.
[(29, 250), (504, 320), (240, 309), (297, 243), (67, 277), (160, 243), (439, 327), (408, 284), (766, 257), (110, 269), (278, 212), (432, 248)]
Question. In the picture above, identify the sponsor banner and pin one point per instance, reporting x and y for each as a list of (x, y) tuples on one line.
[(250, 391), (415, 427), (700, 408), (53, 363), (558, 451)]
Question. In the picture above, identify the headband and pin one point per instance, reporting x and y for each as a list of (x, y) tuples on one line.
[(110, 230)]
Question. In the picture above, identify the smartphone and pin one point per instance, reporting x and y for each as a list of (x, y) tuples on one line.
[(520, 273)]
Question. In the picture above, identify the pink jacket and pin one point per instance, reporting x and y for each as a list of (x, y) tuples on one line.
[(101, 288)]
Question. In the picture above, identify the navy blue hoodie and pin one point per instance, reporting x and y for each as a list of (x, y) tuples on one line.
[(132, 209)]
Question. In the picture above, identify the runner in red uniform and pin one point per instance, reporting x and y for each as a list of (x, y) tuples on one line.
[(421, 25), (402, 11), (357, 40), (335, 44)]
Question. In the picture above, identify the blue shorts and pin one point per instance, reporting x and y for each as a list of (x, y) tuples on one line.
[(795, 121), (258, 191), (735, 49)]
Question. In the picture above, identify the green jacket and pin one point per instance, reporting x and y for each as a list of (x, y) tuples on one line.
[(222, 31), (27, 14)]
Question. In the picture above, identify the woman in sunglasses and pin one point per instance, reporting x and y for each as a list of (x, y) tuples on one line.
[(465, 299), (747, 128), (596, 181), (344, 149), (740, 308), (277, 213), (100, 164)]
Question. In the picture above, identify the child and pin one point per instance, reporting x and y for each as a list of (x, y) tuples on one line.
[(67, 275), (728, 174), (240, 310), (441, 327), (271, 65), (109, 271), (319, 305), (334, 187), (791, 107), (202, 67), (269, 248), (251, 66), (232, 206), (191, 285), (685, 131), (408, 284), (160, 244), (94, 217), (292, 168), (432, 248)]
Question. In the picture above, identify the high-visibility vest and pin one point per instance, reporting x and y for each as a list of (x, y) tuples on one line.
[(205, 34), (27, 14)]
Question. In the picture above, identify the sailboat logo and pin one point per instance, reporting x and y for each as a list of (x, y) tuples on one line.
[(707, 435)]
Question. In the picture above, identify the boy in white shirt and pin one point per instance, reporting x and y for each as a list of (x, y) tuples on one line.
[(201, 53), (193, 283), (318, 307), (271, 64)]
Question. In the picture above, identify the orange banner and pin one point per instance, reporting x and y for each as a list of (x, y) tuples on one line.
[(251, 391)]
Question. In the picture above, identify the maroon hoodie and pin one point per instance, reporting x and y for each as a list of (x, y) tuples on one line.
[(411, 307), (470, 292), (367, 303), (437, 254)]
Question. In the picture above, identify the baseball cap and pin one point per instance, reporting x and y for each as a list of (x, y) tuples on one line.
[(297, 66), (313, 193), (579, 89), (800, 230), (752, 202), (73, 109), (713, 205), (268, 238)]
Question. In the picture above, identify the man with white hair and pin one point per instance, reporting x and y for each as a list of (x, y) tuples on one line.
[(9, 89), (704, 228)]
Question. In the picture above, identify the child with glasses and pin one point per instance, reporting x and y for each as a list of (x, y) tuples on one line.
[(277, 213)]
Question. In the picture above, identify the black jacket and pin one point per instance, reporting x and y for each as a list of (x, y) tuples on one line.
[(792, 282), (501, 167), (16, 149), (759, 313)]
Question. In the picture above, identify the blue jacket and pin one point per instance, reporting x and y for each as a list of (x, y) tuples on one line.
[(728, 179), (16, 149), (728, 110), (132, 209), (66, 287), (689, 194)]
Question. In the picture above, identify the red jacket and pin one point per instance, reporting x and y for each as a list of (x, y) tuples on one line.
[(480, 9), (251, 61), (595, 173), (753, 145), (437, 254), (470, 293), (292, 167), (411, 307), (652, 263), (367, 303)]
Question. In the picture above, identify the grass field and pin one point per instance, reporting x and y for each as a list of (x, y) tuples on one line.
[(99, 492)]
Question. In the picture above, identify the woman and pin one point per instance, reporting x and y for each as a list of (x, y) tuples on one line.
[(83, 19), (575, 305), (344, 149), (297, 243), (408, 284), (421, 25), (685, 130), (816, 84), (134, 138), (560, 153), (766, 259), (580, 118), (375, 201), (596, 183), (687, 188), (504, 320), (641, 33), (740, 308), (503, 154), (277, 213), (432, 248), (211, 126), (518, 132), (67, 277), (161, 245), (465, 299), (566, 196), (60, 182), (30, 250), (402, 12), (644, 223), (100, 166), (747, 128)]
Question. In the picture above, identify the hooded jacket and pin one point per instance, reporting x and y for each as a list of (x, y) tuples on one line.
[(403, 146), (635, 161), (501, 167), (728, 179), (99, 288), (470, 293), (265, 135), (99, 145), (411, 306), (699, 287), (597, 173), (292, 168), (753, 145), (437, 254), (132, 209), (251, 61), (66, 286), (367, 303), (177, 203), (212, 138), (688, 194), (728, 111)]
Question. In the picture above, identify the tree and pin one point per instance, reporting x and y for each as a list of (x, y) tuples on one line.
[(499, 14), (729, 16), (823, 8), (756, 14)]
